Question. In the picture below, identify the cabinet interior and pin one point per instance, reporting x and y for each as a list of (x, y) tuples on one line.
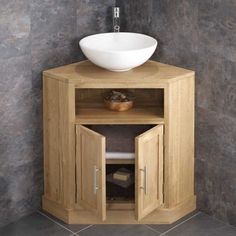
[(120, 197), (120, 140)]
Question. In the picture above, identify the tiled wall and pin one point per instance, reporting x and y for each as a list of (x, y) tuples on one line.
[(201, 35), (34, 35)]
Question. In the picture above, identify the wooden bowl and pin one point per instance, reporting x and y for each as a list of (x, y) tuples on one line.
[(119, 106)]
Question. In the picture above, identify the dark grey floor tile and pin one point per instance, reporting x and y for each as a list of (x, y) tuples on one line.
[(118, 230), (225, 231), (74, 228), (34, 225), (201, 225), (164, 227)]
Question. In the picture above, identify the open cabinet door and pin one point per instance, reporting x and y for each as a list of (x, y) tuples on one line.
[(148, 171), (90, 169)]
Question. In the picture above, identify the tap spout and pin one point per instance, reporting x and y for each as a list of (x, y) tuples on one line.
[(116, 19)]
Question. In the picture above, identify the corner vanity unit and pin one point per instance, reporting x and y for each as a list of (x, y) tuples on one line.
[(84, 143)]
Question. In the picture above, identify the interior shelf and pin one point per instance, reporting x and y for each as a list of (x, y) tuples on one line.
[(137, 115), (120, 158)]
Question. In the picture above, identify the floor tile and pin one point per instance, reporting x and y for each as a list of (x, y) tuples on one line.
[(225, 231), (34, 225), (118, 230), (201, 225), (164, 227), (74, 228)]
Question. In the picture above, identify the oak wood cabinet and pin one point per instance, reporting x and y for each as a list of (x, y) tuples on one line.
[(75, 154)]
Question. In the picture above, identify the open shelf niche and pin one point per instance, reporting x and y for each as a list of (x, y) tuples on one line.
[(148, 107)]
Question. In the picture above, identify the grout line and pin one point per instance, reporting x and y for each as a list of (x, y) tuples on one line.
[(87, 227), (180, 224), (152, 229), (41, 213)]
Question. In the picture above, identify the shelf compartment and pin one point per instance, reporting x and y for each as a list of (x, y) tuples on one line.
[(137, 115), (119, 196), (148, 107)]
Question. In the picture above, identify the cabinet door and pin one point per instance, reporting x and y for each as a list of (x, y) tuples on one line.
[(148, 171), (90, 169)]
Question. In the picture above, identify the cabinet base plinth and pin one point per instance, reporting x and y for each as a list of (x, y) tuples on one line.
[(160, 216)]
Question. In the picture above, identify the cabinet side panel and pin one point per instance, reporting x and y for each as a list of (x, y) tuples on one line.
[(66, 117), (52, 161), (59, 147), (179, 138)]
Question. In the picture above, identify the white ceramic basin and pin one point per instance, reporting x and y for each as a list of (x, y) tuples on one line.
[(118, 51)]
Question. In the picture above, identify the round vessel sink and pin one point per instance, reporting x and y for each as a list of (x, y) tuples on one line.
[(118, 51)]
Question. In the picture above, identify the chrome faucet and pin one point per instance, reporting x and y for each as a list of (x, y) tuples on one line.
[(116, 19)]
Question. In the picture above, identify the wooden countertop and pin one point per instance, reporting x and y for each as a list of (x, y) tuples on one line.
[(84, 74)]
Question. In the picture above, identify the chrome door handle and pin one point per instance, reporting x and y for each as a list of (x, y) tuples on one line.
[(145, 182), (95, 187)]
